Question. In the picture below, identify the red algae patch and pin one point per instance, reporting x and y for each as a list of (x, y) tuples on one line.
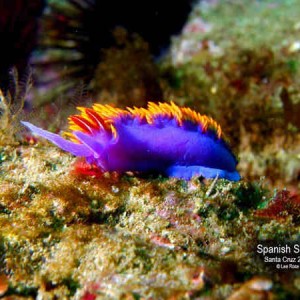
[(283, 205)]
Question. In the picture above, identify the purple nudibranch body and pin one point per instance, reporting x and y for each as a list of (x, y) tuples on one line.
[(164, 138)]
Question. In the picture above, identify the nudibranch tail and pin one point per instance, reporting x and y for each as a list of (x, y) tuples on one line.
[(165, 138)]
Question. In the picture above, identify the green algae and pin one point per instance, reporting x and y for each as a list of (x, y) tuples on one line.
[(251, 195)]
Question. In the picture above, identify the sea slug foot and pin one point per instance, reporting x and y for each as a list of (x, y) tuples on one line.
[(187, 172)]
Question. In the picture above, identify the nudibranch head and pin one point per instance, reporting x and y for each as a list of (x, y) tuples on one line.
[(164, 138)]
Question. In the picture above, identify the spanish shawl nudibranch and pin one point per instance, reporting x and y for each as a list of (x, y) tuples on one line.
[(164, 138)]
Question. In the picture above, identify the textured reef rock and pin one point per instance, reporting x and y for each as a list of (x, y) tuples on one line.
[(247, 79), (68, 234)]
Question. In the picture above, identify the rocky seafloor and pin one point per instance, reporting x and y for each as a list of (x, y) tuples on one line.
[(65, 234), (68, 231)]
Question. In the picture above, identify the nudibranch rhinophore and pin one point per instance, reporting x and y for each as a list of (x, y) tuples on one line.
[(164, 138)]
